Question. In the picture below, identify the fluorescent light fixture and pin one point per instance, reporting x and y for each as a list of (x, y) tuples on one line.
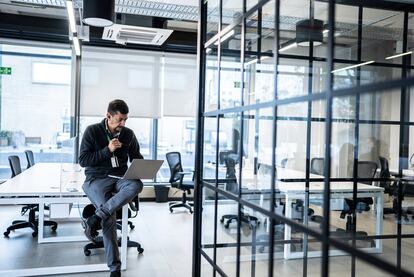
[(225, 37), (71, 15), (76, 46), (399, 55), (351, 66), (256, 60), (291, 45)]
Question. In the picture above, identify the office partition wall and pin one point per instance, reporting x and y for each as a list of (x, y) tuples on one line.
[(304, 139)]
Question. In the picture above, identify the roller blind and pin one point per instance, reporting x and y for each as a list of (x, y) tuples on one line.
[(153, 84)]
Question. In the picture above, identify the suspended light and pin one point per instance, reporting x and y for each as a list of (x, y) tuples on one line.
[(99, 13), (309, 30)]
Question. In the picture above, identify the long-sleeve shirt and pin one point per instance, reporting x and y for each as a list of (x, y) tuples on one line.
[(95, 156)]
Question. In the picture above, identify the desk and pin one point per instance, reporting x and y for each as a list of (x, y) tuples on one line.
[(292, 191), (48, 183)]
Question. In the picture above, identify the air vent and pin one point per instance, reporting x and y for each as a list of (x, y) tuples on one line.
[(124, 34)]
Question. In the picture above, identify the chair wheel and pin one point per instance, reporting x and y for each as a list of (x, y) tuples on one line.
[(226, 225), (222, 220), (54, 228), (191, 211), (261, 249), (87, 252), (140, 250), (34, 234), (6, 234), (132, 226), (171, 210)]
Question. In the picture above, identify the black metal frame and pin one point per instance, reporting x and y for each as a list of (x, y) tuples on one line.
[(328, 95)]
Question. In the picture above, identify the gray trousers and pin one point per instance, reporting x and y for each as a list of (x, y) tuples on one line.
[(109, 195)]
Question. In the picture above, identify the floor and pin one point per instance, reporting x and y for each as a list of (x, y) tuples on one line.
[(167, 240)]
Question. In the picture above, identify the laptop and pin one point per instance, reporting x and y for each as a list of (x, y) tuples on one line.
[(141, 169)]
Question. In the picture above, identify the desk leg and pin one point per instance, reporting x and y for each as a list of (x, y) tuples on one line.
[(288, 234), (380, 218), (124, 237), (41, 219)]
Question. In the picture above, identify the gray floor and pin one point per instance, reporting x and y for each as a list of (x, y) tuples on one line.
[(167, 240)]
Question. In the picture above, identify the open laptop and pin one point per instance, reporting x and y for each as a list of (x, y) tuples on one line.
[(141, 169)]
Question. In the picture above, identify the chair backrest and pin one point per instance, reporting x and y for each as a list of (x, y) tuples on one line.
[(385, 173), (231, 178), (30, 158), (317, 166), (367, 169), (174, 162), (15, 167)]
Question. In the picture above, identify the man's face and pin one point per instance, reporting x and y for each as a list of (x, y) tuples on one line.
[(117, 121)]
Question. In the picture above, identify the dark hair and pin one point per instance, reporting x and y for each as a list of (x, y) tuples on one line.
[(118, 105)]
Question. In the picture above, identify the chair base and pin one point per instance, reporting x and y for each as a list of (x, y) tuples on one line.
[(31, 223), (99, 244), (186, 205), (248, 219)]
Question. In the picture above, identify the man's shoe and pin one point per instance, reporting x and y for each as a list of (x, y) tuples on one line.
[(93, 223), (115, 274)]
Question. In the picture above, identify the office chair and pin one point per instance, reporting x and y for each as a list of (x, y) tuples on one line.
[(233, 187), (29, 158), (366, 169), (89, 210), (16, 169), (176, 181)]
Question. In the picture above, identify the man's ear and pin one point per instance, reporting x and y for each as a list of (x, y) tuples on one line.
[(108, 115)]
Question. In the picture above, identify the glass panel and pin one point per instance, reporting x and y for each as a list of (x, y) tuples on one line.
[(382, 35), (206, 268), (230, 79), (210, 148), (176, 134), (292, 78), (213, 15), (258, 63), (227, 211), (346, 32), (45, 80), (211, 80), (231, 11)]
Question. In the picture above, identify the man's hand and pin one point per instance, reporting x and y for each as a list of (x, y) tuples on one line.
[(114, 144)]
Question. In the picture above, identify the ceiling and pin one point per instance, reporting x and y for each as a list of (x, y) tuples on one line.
[(182, 15)]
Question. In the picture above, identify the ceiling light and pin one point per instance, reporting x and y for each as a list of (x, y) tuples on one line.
[(99, 13), (308, 31), (288, 46), (351, 66), (399, 55), (76, 45), (71, 16), (225, 37)]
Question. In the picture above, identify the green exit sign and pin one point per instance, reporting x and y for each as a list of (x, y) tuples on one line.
[(5, 70)]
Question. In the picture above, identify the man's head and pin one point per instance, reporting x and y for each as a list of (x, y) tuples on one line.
[(117, 115)]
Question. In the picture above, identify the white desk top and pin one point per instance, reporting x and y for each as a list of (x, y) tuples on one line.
[(46, 179), (298, 187)]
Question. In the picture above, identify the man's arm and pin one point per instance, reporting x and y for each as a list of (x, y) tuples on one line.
[(88, 156), (134, 151)]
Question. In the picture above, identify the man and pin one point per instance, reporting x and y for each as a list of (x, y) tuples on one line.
[(104, 151)]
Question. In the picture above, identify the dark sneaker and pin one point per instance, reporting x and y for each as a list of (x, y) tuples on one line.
[(115, 274), (93, 223)]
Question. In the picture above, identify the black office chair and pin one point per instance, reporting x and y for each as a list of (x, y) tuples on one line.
[(33, 223), (29, 158), (366, 169), (232, 186), (90, 209), (177, 181)]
